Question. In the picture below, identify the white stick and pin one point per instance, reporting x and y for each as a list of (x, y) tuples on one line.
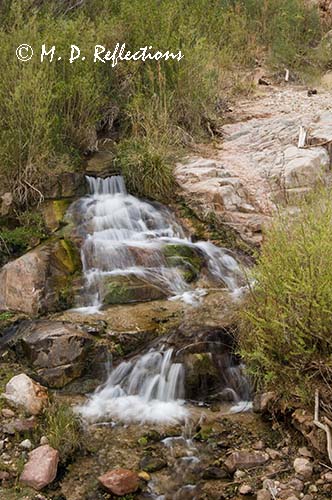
[(302, 137), (287, 75)]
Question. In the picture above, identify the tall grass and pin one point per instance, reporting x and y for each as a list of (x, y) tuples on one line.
[(286, 330), (50, 113)]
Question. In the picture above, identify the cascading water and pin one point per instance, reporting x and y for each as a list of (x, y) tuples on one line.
[(131, 239), (148, 389)]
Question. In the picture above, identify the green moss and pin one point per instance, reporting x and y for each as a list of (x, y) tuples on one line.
[(129, 288), (185, 257)]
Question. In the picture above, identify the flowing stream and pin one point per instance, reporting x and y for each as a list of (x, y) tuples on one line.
[(138, 248), (133, 250)]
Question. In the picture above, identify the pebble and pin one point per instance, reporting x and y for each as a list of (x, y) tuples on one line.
[(259, 445), (26, 444), (304, 452), (245, 489), (308, 497), (43, 440), (328, 477), (7, 413), (239, 474), (263, 495), (312, 488), (145, 476), (303, 467)]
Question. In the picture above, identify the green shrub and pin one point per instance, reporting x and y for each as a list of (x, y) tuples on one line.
[(286, 332), (63, 429), (146, 168)]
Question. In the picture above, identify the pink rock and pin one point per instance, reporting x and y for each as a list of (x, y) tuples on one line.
[(245, 460), (120, 481), (41, 468)]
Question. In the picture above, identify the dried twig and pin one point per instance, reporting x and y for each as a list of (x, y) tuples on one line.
[(325, 427)]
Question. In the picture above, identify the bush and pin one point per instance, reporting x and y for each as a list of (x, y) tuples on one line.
[(63, 429), (286, 331), (147, 169)]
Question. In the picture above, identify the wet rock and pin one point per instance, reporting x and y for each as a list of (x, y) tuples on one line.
[(245, 489), (64, 185), (41, 468), (215, 473), (22, 391), (120, 481), (263, 402), (129, 288), (303, 467), (152, 464), (185, 257), (56, 350), (263, 495), (245, 460)]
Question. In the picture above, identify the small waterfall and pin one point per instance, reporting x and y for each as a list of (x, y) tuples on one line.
[(127, 241), (148, 389)]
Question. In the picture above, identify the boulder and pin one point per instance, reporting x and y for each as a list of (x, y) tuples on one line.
[(58, 351), (41, 468), (245, 460), (64, 185), (41, 280), (120, 481), (22, 391)]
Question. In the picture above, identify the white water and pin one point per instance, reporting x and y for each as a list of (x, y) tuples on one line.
[(149, 389), (126, 236)]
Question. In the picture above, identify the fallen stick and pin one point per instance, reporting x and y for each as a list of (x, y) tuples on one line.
[(325, 427)]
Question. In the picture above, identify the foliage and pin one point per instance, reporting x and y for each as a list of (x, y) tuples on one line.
[(63, 429), (285, 337), (17, 240)]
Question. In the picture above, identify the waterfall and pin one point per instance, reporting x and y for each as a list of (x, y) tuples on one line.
[(126, 244), (147, 389)]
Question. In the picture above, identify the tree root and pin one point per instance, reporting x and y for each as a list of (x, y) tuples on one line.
[(326, 427)]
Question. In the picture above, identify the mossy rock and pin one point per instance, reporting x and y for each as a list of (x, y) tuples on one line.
[(53, 213), (124, 289), (188, 258)]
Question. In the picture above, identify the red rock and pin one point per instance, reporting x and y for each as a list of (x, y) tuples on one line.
[(120, 481), (245, 460), (41, 468)]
